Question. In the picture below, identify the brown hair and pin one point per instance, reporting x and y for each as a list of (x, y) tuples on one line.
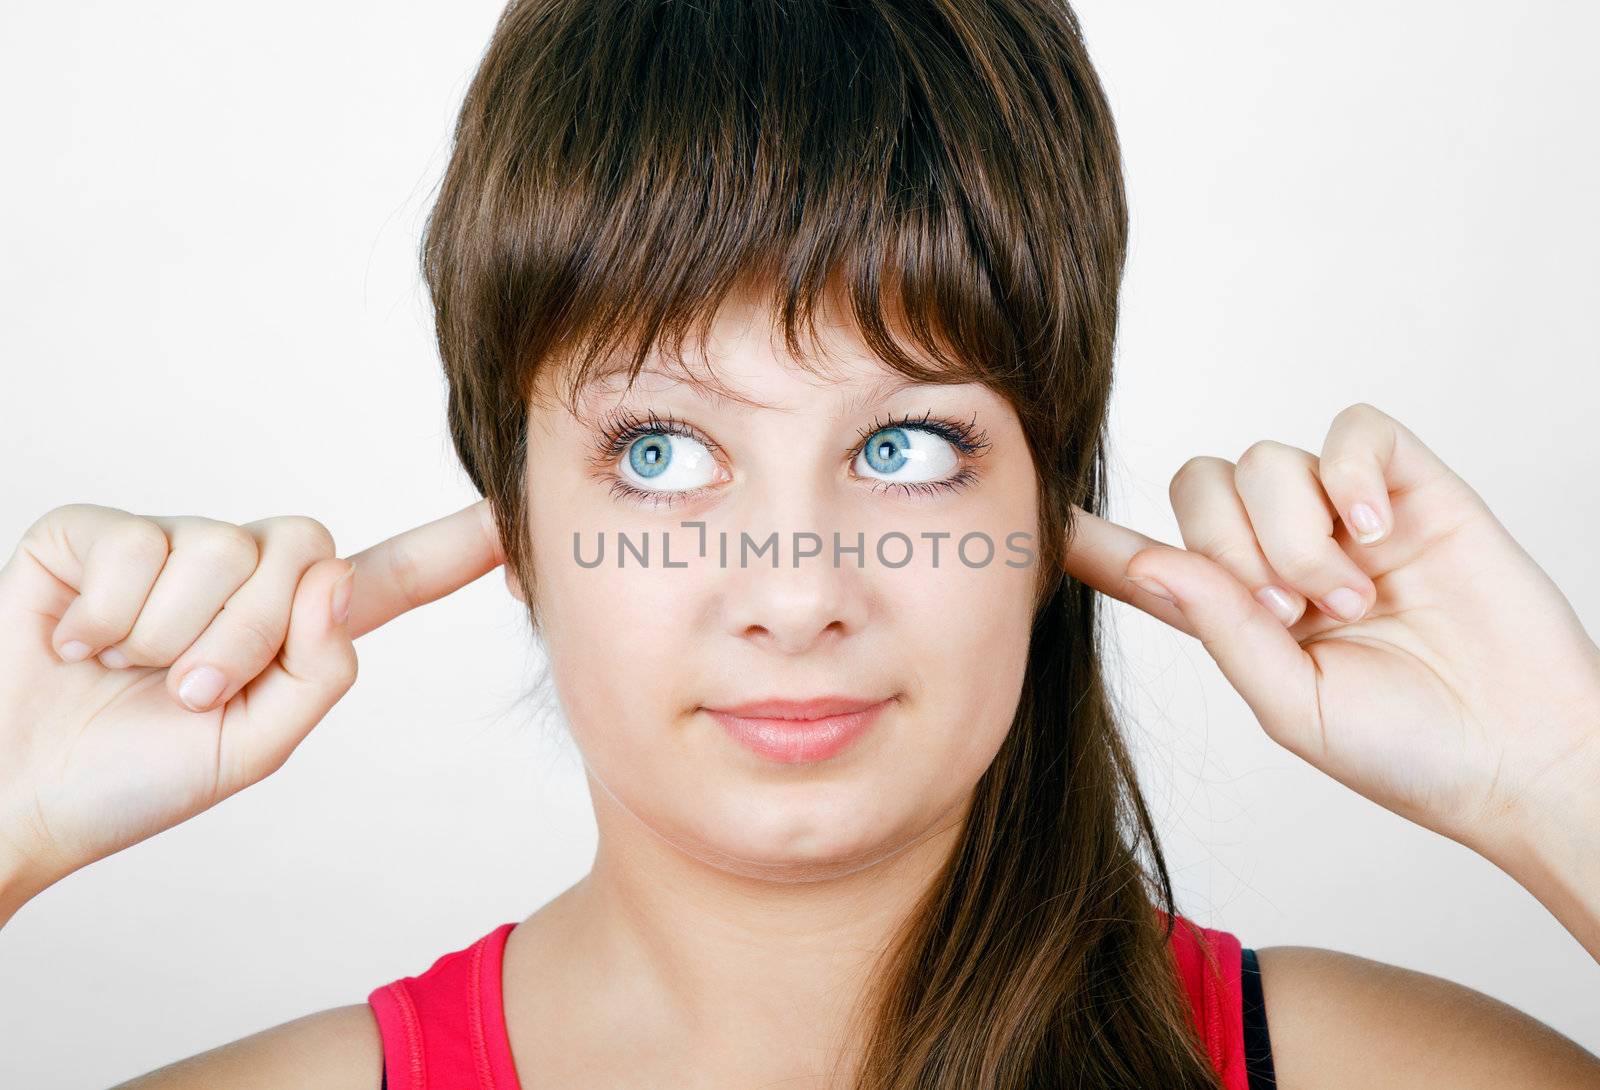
[(950, 167)]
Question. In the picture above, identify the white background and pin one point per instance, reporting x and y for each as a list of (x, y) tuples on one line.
[(210, 213)]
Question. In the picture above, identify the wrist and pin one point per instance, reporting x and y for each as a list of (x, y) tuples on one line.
[(14, 893), (18, 884), (10, 901), (1551, 847)]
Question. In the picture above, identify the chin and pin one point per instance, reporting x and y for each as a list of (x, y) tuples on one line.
[(811, 835), (779, 867)]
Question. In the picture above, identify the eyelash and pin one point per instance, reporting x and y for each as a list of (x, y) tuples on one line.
[(619, 428)]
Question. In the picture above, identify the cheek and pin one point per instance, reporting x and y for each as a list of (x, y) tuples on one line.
[(615, 637), (619, 636), (963, 634), (569, 526)]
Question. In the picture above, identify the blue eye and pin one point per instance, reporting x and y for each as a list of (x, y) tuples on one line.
[(663, 460), (666, 462), (922, 454), (651, 455)]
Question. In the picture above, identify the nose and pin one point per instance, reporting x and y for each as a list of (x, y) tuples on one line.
[(795, 610), (815, 596)]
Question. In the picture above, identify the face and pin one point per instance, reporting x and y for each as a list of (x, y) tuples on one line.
[(648, 649)]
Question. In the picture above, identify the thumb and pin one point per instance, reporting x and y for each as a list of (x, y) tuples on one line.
[(314, 669), (1258, 656)]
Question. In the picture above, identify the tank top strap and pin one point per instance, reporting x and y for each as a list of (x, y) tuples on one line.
[(445, 1029), (1209, 962)]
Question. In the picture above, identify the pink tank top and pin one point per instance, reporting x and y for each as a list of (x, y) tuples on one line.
[(445, 1029)]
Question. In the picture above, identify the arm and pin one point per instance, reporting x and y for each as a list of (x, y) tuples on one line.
[(1383, 625), (96, 758), (1551, 846), (1338, 1020), (12, 895), (335, 1049)]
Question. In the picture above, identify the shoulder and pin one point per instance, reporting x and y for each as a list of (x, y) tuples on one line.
[(335, 1049), (1339, 1020)]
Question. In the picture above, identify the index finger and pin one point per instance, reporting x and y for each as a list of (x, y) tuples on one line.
[(422, 565), (1099, 554)]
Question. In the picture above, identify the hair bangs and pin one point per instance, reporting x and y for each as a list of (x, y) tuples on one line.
[(815, 152)]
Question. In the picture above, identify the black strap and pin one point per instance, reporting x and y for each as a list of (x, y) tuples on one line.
[(1257, 1045)]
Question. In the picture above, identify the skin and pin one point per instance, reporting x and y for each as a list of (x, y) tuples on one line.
[(727, 892)]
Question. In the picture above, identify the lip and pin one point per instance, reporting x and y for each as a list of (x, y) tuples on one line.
[(799, 731)]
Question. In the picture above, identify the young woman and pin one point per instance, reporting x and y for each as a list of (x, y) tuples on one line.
[(822, 608)]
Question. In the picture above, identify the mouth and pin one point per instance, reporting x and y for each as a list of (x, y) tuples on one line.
[(799, 731), (815, 707)]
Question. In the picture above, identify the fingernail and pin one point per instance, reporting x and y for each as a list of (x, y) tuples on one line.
[(1281, 604), (1150, 586), (1364, 520), (75, 651), (341, 596), (113, 658), (1345, 604), (201, 686)]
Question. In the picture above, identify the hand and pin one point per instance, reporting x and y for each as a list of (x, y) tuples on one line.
[(1462, 693), (99, 755)]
